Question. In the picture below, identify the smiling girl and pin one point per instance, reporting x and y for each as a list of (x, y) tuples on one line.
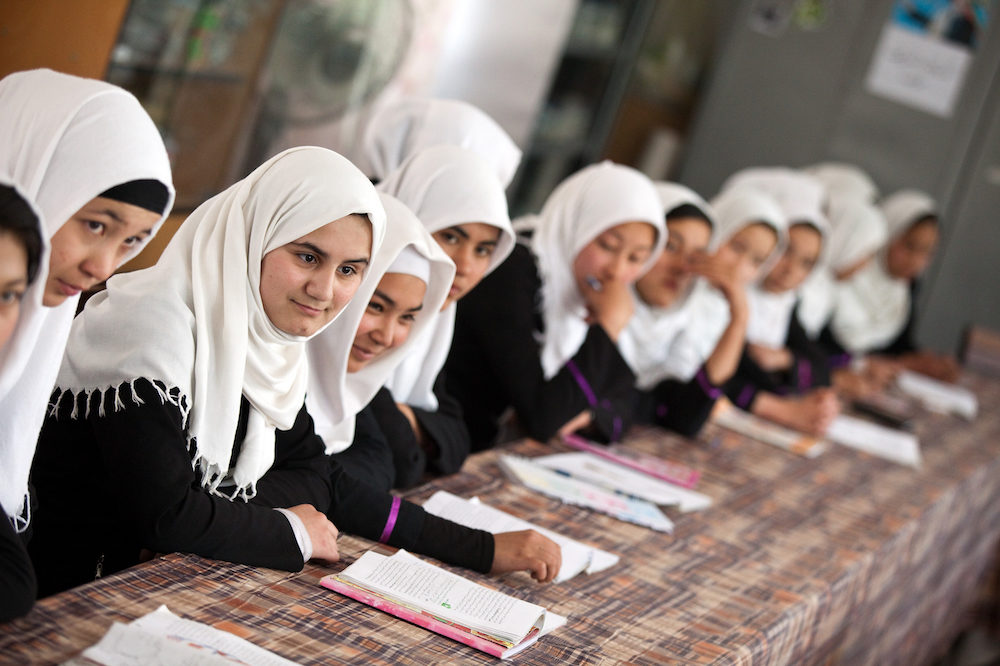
[(459, 200), (91, 160), (539, 333)]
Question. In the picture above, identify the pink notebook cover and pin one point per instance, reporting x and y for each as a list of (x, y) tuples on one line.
[(675, 473), (456, 632)]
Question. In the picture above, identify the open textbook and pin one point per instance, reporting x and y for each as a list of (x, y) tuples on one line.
[(623, 480), (576, 557), (447, 604), (728, 416), (160, 637), (581, 493), (939, 396)]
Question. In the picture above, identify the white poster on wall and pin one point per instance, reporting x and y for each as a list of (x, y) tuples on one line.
[(924, 53)]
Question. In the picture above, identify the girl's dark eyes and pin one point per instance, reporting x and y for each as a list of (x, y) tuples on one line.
[(9, 297), (409, 318), (348, 270), (449, 237), (485, 251), (375, 306), (306, 257), (95, 227)]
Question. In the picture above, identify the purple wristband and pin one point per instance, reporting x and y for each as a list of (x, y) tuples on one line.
[(805, 374), (706, 386), (746, 396), (390, 522)]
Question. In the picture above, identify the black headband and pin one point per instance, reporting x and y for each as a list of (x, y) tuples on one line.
[(149, 194)]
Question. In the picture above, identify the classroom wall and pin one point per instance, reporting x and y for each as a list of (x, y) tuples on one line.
[(798, 96)]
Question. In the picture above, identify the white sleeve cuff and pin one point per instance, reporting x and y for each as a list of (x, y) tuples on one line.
[(300, 532)]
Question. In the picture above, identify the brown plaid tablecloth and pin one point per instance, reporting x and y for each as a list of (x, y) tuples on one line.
[(843, 558)]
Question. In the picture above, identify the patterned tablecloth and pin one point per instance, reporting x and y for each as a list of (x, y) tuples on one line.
[(843, 558)]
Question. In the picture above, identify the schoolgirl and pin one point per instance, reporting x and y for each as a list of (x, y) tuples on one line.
[(676, 388), (539, 334), (875, 312), (20, 251), (411, 278), (90, 159), (780, 356), (459, 200)]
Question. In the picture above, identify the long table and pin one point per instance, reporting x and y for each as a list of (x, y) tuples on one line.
[(842, 558)]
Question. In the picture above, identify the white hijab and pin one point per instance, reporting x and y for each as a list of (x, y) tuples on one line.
[(873, 306), (844, 182), (735, 209), (583, 206), (801, 198), (63, 141), (336, 396), (653, 342), (858, 230), (406, 127), (444, 186), (195, 323)]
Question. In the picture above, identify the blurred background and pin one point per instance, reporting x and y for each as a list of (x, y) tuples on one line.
[(689, 91)]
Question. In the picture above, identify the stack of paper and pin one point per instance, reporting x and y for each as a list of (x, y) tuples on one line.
[(581, 493), (447, 604), (895, 445), (624, 481), (728, 416), (161, 637), (576, 557), (939, 396)]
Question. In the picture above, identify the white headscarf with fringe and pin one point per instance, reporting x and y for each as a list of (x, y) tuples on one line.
[(63, 141), (402, 129), (336, 396), (873, 306), (444, 186), (194, 323), (581, 208), (653, 343)]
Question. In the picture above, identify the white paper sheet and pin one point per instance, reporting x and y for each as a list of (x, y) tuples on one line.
[(939, 396), (161, 637), (576, 557), (895, 445), (621, 479)]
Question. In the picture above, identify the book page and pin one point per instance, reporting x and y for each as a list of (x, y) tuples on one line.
[(576, 557), (620, 479), (895, 445), (414, 582)]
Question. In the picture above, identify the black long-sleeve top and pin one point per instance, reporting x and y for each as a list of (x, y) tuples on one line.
[(109, 486), (495, 364), (385, 451), (810, 368), (681, 406), (17, 576)]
